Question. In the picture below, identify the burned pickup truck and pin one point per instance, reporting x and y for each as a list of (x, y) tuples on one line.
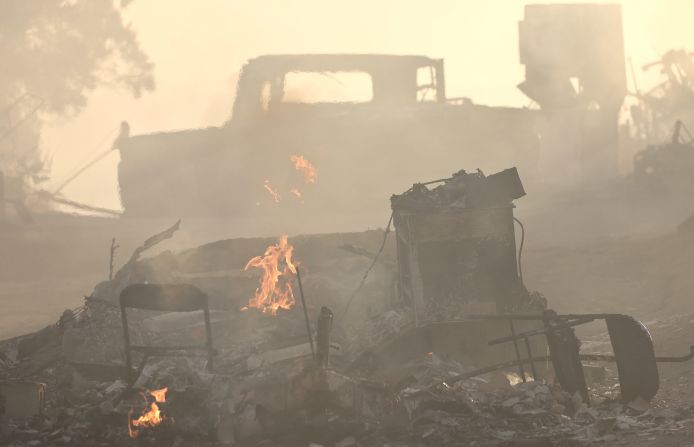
[(367, 123)]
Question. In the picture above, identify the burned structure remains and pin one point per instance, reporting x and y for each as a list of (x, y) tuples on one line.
[(667, 167), (438, 333), (575, 71), (421, 333)]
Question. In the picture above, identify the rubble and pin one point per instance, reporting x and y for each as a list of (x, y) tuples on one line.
[(22, 399), (445, 345), (214, 410), (284, 397), (383, 375)]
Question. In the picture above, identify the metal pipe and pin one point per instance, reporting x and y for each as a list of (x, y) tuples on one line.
[(661, 359), (521, 370), (578, 322), (208, 335), (530, 357), (479, 372), (325, 324), (510, 363), (303, 305)]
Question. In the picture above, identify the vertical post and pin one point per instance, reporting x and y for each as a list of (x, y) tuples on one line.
[(325, 324), (303, 305), (208, 334), (530, 357), (2, 197), (440, 82), (114, 247), (126, 340), (521, 370), (416, 287)]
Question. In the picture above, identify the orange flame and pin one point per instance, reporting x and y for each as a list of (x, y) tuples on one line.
[(305, 167), (275, 291), (150, 418), (273, 192)]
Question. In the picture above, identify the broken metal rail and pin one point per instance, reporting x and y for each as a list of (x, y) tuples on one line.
[(631, 342)]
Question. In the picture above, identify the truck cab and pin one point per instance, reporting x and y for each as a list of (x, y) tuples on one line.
[(370, 124)]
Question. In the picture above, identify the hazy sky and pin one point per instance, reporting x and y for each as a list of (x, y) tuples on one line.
[(198, 48)]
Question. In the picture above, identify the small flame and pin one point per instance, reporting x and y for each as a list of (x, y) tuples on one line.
[(273, 192), (295, 192), (159, 395), (150, 418), (275, 291), (305, 167)]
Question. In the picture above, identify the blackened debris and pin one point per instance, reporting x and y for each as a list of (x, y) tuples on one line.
[(463, 190)]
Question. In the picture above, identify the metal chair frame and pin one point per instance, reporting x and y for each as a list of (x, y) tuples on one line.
[(164, 297)]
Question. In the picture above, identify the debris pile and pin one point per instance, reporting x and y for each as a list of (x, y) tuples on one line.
[(296, 402), (462, 190), (190, 349)]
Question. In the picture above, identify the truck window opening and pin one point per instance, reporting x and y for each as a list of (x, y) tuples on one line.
[(327, 87)]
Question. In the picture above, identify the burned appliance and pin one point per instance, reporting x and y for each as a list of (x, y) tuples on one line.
[(456, 245)]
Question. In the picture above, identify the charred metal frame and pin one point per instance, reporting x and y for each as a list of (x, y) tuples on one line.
[(416, 229), (394, 77), (164, 297), (632, 345)]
